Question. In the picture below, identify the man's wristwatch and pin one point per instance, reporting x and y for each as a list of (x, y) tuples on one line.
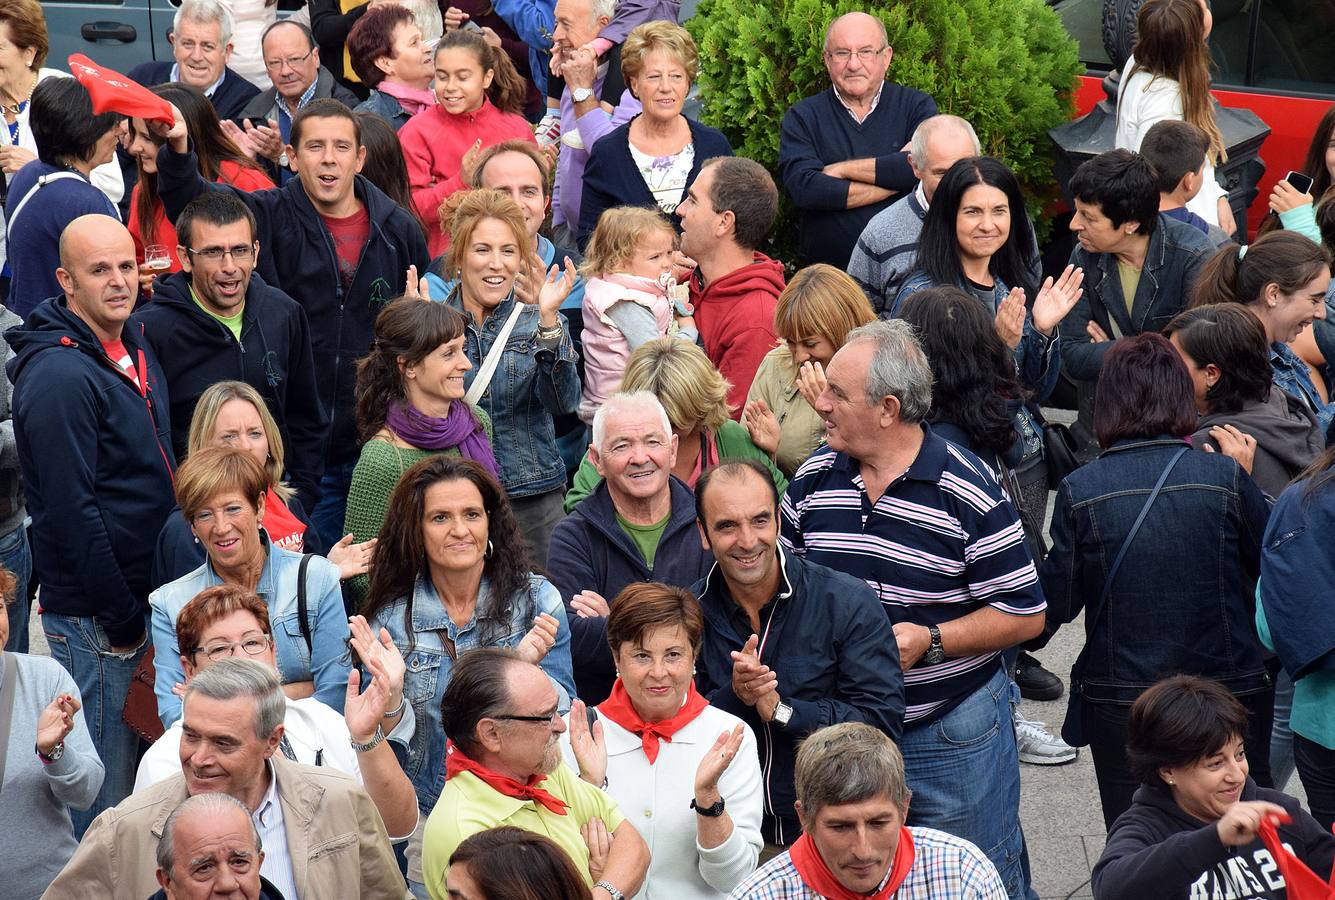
[(611, 889), (709, 812), (782, 714), (935, 653), (56, 753), (579, 95), (369, 745)]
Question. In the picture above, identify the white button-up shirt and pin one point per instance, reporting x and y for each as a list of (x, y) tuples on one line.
[(268, 818)]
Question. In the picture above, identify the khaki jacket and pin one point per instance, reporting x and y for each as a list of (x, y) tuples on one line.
[(337, 842)]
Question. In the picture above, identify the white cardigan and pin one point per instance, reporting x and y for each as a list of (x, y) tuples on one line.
[(1144, 99), (656, 799)]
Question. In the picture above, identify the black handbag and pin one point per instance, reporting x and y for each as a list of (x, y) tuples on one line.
[(1060, 449)]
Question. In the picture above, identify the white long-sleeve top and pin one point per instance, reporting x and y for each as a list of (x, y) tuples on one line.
[(656, 799), (1144, 99)]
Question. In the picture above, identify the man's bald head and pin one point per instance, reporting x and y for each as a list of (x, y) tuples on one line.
[(92, 227), (858, 21), (98, 273)]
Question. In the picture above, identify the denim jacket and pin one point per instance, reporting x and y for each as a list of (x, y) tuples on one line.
[(533, 384), (327, 664), (387, 107), (1294, 378), (1172, 262), (429, 665), (1184, 598)]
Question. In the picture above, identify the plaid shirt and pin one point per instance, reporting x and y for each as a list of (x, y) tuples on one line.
[(944, 868)]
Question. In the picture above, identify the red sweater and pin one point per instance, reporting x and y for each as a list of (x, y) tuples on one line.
[(735, 316), (164, 232), (434, 143)]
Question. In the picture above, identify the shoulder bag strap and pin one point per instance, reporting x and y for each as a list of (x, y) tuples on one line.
[(301, 600), (7, 691), (41, 183), (1092, 616), (488, 368)]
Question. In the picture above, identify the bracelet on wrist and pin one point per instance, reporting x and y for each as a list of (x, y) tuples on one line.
[(403, 701), (369, 745)]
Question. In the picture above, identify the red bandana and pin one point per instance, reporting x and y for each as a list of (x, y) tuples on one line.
[(456, 762), (619, 709), (818, 877), (1301, 882), (111, 91)]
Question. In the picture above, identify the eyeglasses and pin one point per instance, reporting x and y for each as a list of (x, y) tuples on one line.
[(239, 253), (866, 54), (543, 720), (276, 65), (252, 644)]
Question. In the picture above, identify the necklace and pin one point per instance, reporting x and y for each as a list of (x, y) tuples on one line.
[(13, 109)]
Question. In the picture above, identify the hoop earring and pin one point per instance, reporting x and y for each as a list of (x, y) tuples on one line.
[(490, 550)]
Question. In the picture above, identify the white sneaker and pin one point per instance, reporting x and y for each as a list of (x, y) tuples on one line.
[(1040, 747), (573, 140), (548, 131)]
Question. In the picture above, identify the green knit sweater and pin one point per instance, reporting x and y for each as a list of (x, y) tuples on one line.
[(374, 478)]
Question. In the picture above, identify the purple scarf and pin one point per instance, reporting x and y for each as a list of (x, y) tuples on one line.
[(460, 428)]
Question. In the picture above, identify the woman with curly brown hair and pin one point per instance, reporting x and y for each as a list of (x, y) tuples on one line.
[(451, 575), (410, 406)]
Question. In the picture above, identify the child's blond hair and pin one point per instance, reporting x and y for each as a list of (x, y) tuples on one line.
[(617, 236)]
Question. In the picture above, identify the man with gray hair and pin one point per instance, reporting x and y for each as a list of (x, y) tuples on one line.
[(926, 524), (853, 801), (210, 848), (324, 835), (201, 39), (637, 525)]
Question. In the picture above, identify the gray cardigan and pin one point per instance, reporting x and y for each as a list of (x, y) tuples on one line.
[(34, 816)]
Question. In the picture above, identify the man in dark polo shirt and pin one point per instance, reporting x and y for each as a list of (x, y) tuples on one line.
[(927, 526)]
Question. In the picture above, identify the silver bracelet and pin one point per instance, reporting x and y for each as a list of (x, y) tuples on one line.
[(611, 889), (549, 334), (369, 745), (403, 701)]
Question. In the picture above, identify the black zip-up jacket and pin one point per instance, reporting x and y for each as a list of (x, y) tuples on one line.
[(831, 644), (274, 357), (97, 467), (297, 256), (1156, 850)]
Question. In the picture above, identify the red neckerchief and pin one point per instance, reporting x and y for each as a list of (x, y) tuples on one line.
[(816, 875), (1301, 883), (456, 762), (619, 709)]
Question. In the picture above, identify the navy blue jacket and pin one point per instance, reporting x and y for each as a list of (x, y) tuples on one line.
[(274, 357), (611, 177), (97, 467), (833, 648), (228, 100), (591, 552), (297, 256), (1297, 570), (1190, 571)]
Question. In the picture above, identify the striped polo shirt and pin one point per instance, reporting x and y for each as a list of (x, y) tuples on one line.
[(941, 542)]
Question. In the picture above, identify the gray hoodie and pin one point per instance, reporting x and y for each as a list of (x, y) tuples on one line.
[(1287, 438)]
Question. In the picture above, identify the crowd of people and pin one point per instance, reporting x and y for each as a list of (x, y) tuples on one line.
[(429, 488)]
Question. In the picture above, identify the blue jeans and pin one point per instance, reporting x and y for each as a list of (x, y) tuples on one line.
[(964, 772), (1281, 736), (329, 513), (16, 556), (80, 645)]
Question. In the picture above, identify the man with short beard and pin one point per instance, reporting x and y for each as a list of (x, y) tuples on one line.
[(503, 767)]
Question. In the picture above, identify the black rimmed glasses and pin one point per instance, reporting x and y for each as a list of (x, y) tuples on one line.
[(239, 253)]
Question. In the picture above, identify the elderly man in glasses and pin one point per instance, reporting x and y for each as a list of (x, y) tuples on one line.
[(503, 767), (226, 622), (843, 152), (219, 321)]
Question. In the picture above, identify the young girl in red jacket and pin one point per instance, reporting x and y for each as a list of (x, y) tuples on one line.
[(480, 98)]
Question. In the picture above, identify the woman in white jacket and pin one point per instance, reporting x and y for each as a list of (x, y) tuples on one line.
[(1168, 77), (685, 773)]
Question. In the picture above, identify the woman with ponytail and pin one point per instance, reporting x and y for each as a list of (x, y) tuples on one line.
[(410, 406), (480, 102), (1283, 279), (1168, 77)]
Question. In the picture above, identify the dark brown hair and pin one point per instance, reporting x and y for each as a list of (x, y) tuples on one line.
[(1315, 164), (1145, 391), (1229, 336), (384, 165), (508, 863), (746, 188), (1170, 43), (400, 555), (407, 330), (212, 604), (643, 606), (1282, 258), (1179, 721), (373, 37), (508, 89)]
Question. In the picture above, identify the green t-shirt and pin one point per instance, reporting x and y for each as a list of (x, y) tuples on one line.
[(1130, 277), (646, 537), (233, 323)]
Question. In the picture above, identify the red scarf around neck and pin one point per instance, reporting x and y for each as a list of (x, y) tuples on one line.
[(619, 709), (816, 875), (456, 761)]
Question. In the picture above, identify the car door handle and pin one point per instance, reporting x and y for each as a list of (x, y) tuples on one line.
[(109, 31)]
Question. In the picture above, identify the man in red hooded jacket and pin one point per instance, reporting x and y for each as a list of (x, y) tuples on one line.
[(725, 216)]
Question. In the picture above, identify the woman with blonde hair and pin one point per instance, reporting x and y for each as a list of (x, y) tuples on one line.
[(695, 397), (511, 306), (1168, 77), (815, 312), (233, 414)]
